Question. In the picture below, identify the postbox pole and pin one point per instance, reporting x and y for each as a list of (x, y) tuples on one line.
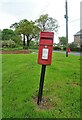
[(41, 84)]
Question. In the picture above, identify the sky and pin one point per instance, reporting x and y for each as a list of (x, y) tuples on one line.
[(12, 11)]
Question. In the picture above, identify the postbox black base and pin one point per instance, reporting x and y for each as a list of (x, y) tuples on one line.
[(41, 84)]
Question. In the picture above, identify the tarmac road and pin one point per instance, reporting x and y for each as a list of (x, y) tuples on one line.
[(73, 53)]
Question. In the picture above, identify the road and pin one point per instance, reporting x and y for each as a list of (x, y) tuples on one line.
[(73, 53)]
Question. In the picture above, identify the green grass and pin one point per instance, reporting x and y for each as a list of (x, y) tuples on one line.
[(20, 79), (0, 86)]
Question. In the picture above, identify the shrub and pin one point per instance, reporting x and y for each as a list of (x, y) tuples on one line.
[(73, 45), (4, 43), (17, 40), (76, 49), (8, 43), (56, 48), (33, 45), (64, 48)]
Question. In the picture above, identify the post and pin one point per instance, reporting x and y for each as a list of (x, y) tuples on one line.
[(41, 84), (66, 16)]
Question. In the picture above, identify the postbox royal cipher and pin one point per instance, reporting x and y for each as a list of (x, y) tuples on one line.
[(45, 48)]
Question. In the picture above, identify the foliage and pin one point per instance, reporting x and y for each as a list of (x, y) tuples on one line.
[(62, 41), (76, 49), (33, 45), (64, 48), (17, 40), (7, 34), (11, 37), (28, 29), (72, 45), (8, 43), (46, 23), (56, 48), (61, 87)]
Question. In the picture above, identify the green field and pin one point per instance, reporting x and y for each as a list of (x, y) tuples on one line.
[(0, 87), (20, 80)]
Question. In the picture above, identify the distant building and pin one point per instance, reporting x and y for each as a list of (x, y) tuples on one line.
[(78, 38)]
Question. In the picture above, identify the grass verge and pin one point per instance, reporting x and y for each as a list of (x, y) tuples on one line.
[(20, 80)]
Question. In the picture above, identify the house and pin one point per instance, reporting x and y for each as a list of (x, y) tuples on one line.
[(78, 38)]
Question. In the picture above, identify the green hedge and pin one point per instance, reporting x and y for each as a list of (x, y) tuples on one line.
[(33, 47), (56, 48), (76, 49), (8, 43)]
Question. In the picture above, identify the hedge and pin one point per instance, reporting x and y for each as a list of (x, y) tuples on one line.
[(76, 49), (56, 48)]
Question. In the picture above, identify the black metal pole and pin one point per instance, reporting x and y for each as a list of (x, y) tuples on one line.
[(66, 29), (41, 84)]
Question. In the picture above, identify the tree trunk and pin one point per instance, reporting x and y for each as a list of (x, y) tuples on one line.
[(23, 41), (28, 41)]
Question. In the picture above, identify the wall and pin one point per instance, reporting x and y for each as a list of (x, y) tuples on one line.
[(77, 40)]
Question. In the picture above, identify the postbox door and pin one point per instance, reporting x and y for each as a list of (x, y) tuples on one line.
[(45, 55)]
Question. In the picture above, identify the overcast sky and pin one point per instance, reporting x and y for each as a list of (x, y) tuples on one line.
[(12, 11)]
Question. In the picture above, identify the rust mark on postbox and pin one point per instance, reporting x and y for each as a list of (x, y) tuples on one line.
[(45, 48)]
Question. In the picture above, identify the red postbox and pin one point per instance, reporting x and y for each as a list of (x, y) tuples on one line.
[(45, 48), (68, 50)]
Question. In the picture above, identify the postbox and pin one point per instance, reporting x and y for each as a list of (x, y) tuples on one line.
[(45, 48), (68, 50)]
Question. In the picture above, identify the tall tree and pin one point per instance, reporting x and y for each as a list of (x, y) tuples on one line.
[(62, 41), (28, 29), (7, 34), (46, 23)]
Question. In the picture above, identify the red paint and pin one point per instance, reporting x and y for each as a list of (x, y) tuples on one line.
[(45, 46)]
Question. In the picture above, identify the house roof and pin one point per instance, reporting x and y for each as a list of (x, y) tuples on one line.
[(78, 33)]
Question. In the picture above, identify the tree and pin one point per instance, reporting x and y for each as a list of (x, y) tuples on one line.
[(7, 34), (62, 41), (73, 45), (46, 23), (28, 29)]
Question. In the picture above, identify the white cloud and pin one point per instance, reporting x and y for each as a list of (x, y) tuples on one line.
[(6, 20), (15, 10)]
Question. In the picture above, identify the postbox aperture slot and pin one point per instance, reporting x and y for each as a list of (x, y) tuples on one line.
[(45, 38)]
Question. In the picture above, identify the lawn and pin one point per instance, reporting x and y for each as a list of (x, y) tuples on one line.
[(0, 87), (20, 80)]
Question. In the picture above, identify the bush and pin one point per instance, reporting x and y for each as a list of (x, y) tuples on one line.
[(75, 49), (8, 43), (17, 40), (64, 48), (56, 48), (33, 45), (73, 45)]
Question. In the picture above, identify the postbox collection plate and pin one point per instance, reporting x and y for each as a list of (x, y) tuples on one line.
[(45, 53)]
